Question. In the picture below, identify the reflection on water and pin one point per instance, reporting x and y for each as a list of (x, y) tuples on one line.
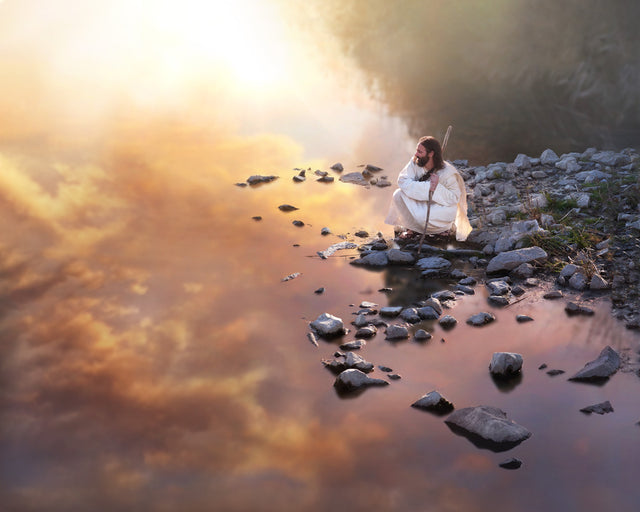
[(152, 356), (511, 76)]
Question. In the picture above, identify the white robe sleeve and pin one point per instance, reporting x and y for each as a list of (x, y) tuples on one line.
[(447, 192), (409, 184)]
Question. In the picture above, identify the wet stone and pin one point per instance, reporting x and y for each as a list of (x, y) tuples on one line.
[(554, 372), (523, 318), (576, 309), (482, 318), (367, 332), (601, 408), (422, 335), (397, 332), (352, 379), (601, 368), (447, 321), (433, 402)]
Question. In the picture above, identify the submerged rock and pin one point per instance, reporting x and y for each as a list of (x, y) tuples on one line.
[(601, 368), (433, 402), (487, 427), (351, 380)]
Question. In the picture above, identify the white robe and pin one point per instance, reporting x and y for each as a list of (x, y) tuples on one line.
[(448, 207)]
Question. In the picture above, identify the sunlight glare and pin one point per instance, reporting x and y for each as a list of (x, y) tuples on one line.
[(243, 38)]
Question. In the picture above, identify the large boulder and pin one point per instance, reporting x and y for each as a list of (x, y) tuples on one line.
[(352, 380), (509, 260), (601, 368), (487, 427)]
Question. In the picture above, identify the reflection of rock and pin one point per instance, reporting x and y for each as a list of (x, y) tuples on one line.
[(433, 402), (328, 326), (603, 367), (505, 364), (487, 427), (351, 380)]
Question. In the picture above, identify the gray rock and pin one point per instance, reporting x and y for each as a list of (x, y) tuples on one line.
[(576, 309), (353, 345), (352, 379), (355, 178), (368, 331), (398, 257), (598, 283), (568, 270), (337, 167), (347, 361), (592, 176), (548, 157), (325, 231), (410, 315), (522, 162), (601, 368), (582, 200), (428, 313), (509, 260), (254, 180), (374, 259), (546, 220), (287, 208), (434, 402), (601, 408), (539, 175), (390, 311), (554, 294), (447, 321), (433, 262), (522, 271), (610, 158), (397, 332), (511, 463), (498, 300), (361, 320), (465, 289), (523, 318), (328, 326), (422, 335), (578, 281), (488, 426), (498, 287), (482, 318), (468, 281), (505, 364), (568, 164)]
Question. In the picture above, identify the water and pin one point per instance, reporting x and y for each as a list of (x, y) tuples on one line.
[(152, 356)]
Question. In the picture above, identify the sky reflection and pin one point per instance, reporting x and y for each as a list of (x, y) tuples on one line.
[(152, 357)]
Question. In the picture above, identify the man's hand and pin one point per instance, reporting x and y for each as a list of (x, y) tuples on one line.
[(434, 182)]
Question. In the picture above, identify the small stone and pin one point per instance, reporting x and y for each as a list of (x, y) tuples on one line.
[(319, 291), (287, 208), (422, 335), (553, 373), (361, 234), (505, 364), (353, 345), (512, 463), (385, 369), (367, 331), (257, 218), (338, 167), (601, 408), (434, 402), (598, 283), (327, 325), (542, 366), (394, 376), (498, 300), (325, 231), (390, 311), (576, 309), (447, 321), (482, 318), (555, 294), (601, 368), (352, 379), (523, 318), (298, 223), (397, 332)]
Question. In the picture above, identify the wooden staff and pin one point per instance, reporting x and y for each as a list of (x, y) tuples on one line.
[(426, 222)]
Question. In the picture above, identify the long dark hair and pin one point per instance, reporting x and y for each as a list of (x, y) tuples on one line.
[(432, 144)]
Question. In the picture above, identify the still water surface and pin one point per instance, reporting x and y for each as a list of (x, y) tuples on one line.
[(152, 356)]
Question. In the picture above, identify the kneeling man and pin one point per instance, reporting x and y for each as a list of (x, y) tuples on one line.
[(428, 173)]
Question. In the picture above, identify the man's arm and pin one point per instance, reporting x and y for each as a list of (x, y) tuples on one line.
[(409, 184)]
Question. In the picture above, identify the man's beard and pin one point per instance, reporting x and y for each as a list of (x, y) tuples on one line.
[(421, 161)]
